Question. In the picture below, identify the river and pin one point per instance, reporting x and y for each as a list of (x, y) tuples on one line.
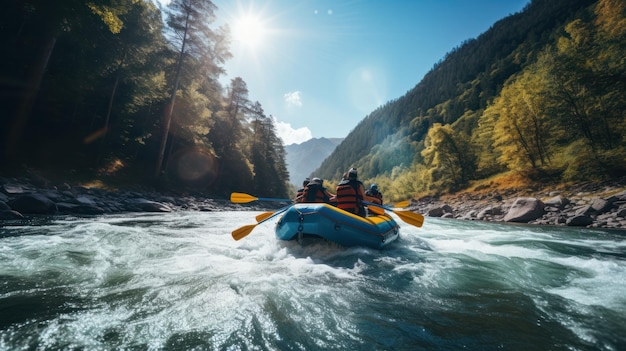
[(178, 281)]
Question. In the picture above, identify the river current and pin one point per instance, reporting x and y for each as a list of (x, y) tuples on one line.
[(178, 281)]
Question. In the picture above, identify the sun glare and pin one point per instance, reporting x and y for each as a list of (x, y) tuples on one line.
[(249, 31)]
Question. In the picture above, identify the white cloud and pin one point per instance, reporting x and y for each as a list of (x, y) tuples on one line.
[(289, 135), (293, 99)]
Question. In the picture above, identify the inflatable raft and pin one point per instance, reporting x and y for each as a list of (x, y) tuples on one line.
[(333, 224)]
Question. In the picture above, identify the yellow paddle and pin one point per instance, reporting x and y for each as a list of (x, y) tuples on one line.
[(404, 203), (240, 198), (263, 216), (242, 232), (409, 217)]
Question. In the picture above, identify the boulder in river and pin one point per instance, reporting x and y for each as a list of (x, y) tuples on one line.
[(33, 203), (524, 210), (148, 206)]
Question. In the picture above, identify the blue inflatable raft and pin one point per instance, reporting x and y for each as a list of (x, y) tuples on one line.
[(333, 224)]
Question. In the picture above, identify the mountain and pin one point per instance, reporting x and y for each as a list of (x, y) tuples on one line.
[(303, 159), (499, 102)]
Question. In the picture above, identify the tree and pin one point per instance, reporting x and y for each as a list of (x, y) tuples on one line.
[(200, 50), (43, 23), (449, 158), (227, 138), (521, 130)]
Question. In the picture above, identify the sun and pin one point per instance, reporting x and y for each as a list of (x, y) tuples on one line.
[(249, 31)]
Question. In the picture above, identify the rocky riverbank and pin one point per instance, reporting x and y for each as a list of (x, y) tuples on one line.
[(601, 205), (584, 204), (21, 198)]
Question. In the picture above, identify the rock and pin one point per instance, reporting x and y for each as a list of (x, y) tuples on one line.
[(584, 210), (85, 200), (557, 201), (33, 203), (65, 207), (489, 211), (149, 206), (601, 205), (447, 208), (524, 210), (10, 214), (435, 212), (579, 221), (13, 189)]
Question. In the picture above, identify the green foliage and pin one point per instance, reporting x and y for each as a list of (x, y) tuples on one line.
[(542, 90), (449, 158)]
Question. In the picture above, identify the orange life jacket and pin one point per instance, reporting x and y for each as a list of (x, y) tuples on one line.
[(315, 193), (350, 196), (300, 195)]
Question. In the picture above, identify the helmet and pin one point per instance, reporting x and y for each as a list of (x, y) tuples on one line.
[(306, 181), (374, 187), (352, 173), (316, 180)]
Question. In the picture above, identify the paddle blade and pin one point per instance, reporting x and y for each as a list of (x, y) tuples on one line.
[(242, 232), (376, 210), (411, 218), (263, 216), (401, 204), (240, 198)]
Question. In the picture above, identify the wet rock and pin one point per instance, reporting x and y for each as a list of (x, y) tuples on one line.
[(435, 212), (13, 189), (10, 214), (143, 205), (525, 209), (88, 209), (85, 200), (581, 220), (33, 203)]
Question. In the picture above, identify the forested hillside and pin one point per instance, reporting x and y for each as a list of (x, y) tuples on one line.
[(124, 89), (542, 91)]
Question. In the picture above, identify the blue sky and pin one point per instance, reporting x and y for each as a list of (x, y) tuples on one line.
[(321, 66)]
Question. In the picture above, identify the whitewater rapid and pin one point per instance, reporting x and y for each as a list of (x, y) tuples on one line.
[(178, 281)]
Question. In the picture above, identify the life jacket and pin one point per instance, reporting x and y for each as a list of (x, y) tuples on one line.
[(374, 196), (349, 198), (314, 193), (300, 195)]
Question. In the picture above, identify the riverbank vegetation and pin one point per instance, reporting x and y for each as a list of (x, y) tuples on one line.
[(126, 91), (542, 94), (131, 92)]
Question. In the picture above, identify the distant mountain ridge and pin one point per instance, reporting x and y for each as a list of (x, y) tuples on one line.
[(302, 159)]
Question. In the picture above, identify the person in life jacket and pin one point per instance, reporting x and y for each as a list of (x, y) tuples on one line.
[(315, 192), (350, 194), (373, 195), (300, 191)]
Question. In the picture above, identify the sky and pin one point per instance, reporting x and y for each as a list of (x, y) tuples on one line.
[(319, 67)]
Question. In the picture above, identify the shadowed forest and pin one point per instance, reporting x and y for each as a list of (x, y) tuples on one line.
[(108, 88)]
